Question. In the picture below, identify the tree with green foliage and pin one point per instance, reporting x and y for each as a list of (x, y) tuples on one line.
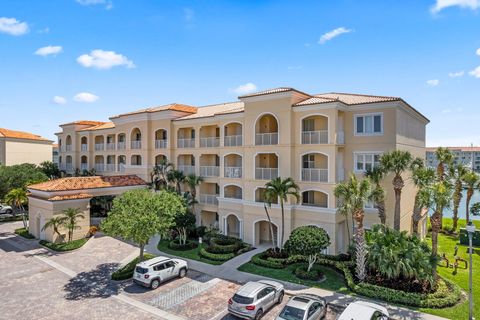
[(50, 169), (376, 176), (281, 189), (475, 209), (19, 176), (308, 241), (456, 174), (137, 215), (176, 177), (397, 161), (159, 175), (55, 222), (184, 223), (193, 181), (422, 178), (71, 218), (17, 198), (445, 159), (353, 195), (472, 180)]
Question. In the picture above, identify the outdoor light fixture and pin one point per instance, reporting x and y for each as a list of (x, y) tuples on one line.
[(470, 230)]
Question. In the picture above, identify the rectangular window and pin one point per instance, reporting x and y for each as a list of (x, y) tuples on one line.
[(308, 124), (370, 124), (366, 161), (309, 161)]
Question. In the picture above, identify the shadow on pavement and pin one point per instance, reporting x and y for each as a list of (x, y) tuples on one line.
[(92, 284)]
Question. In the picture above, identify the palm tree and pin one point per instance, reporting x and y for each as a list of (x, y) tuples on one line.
[(397, 162), (422, 178), (472, 180), (376, 176), (177, 178), (192, 182), (159, 175), (456, 173), (71, 216), (55, 223), (445, 158), (353, 195), (281, 189), (17, 198)]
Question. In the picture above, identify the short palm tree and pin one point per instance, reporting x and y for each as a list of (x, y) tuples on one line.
[(55, 223), (281, 189), (456, 174), (472, 180), (159, 175), (397, 161), (376, 176), (71, 217), (176, 177), (422, 178), (353, 195), (17, 198), (193, 181), (445, 159)]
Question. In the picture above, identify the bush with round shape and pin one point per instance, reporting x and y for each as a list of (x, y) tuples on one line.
[(314, 274), (260, 260), (216, 257), (177, 245)]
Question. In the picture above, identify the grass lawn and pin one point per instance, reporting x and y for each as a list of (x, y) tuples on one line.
[(188, 254), (24, 233), (126, 272), (64, 246), (446, 244), (334, 281)]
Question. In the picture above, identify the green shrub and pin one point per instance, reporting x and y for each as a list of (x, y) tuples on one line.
[(175, 245), (259, 260), (314, 274), (126, 272), (245, 248), (223, 244), (296, 258), (64, 246), (216, 256), (24, 233)]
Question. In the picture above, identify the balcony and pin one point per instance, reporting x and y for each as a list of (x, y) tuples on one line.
[(209, 171), (209, 199), (68, 147), (186, 143), (110, 167), (340, 175), (233, 141), (121, 145), (340, 137), (84, 147), (84, 166), (99, 167), (121, 167), (111, 146), (187, 169), (136, 144), (99, 146), (160, 144), (263, 139), (62, 167), (315, 137), (210, 142), (233, 172), (266, 173), (69, 167), (315, 175)]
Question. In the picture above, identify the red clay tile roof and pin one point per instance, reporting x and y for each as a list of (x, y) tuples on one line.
[(105, 125), (216, 109), (315, 100), (71, 197), (171, 106), (354, 98), (80, 183), (271, 91), (84, 123), (7, 133)]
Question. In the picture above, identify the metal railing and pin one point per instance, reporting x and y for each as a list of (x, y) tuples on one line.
[(160, 144), (263, 139), (121, 167), (233, 172), (266, 173), (340, 137), (233, 141), (68, 147), (186, 143), (187, 169), (313, 174), (69, 167), (209, 171), (99, 146), (84, 147), (315, 137), (84, 166), (62, 167), (111, 146), (235, 195), (340, 175), (99, 167), (110, 167), (210, 142), (209, 199), (136, 144), (121, 145)]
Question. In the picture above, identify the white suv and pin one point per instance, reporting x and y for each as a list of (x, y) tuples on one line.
[(4, 209), (151, 273)]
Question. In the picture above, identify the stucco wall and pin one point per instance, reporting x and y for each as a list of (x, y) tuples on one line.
[(25, 151)]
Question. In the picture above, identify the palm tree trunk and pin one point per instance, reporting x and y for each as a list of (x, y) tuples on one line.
[(381, 212), (416, 215), (396, 217), (283, 225), (270, 225), (360, 254), (436, 226), (469, 197)]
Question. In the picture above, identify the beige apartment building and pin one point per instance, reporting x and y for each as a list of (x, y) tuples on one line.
[(237, 147), (17, 147)]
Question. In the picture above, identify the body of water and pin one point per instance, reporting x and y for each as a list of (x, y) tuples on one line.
[(462, 208)]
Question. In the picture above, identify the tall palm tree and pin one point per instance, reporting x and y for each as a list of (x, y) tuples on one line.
[(472, 180), (55, 223), (71, 217), (177, 178), (279, 188), (445, 159), (376, 176), (456, 173), (353, 195), (422, 178), (397, 161), (159, 175)]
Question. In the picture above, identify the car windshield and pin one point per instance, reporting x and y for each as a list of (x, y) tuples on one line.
[(241, 299), (141, 270), (291, 313)]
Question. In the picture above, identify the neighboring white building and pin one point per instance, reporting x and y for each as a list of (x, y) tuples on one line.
[(468, 156)]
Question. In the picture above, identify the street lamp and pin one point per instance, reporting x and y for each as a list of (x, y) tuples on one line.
[(470, 230)]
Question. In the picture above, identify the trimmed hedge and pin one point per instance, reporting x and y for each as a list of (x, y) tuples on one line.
[(24, 233), (216, 256), (221, 245), (126, 272), (175, 245), (64, 246), (259, 260), (314, 274)]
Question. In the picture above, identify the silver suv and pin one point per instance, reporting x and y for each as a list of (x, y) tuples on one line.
[(304, 307), (253, 299), (151, 273)]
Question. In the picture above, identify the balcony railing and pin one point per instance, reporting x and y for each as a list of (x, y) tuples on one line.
[(110, 167), (62, 167), (235, 195), (263, 139), (315, 137), (266, 173), (233, 172), (69, 167), (160, 144), (68, 147), (111, 146), (209, 171), (233, 141), (84, 147), (186, 143), (121, 145), (316, 175), (187, 169), (99, 167), (136, 144), (209, 199), (341, 137), (99, 146), (210, 142), (121, 167), (340, 175), (83, 166)]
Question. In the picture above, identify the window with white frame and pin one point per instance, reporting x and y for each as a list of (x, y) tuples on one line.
[(366, 161), (308, 161), (369, 124)]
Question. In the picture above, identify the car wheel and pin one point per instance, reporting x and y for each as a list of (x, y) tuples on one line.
[(182, 273), (155, 284), (259, 315), (280, 297)]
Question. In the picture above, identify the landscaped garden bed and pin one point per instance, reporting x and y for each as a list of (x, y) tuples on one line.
[(64, 246), (126, 272), (24, 233)]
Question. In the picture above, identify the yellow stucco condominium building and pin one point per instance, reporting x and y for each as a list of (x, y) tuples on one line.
[(237, 147), (17, 147)]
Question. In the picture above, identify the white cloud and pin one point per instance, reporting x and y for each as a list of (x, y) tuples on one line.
[(59, 100), (443, 4), (450, 110), (332, 34), (188, 14), (100, 59), (12, 26), (245, 88), (108, 4), (475, 72), (433, 82), (478, 52), (45, 51), (85, 97), (457, 74)]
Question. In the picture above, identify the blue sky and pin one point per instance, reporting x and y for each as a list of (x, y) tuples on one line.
[(64, 60)]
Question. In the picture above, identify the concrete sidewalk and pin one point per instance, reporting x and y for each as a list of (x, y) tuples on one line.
[(228, 271)]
